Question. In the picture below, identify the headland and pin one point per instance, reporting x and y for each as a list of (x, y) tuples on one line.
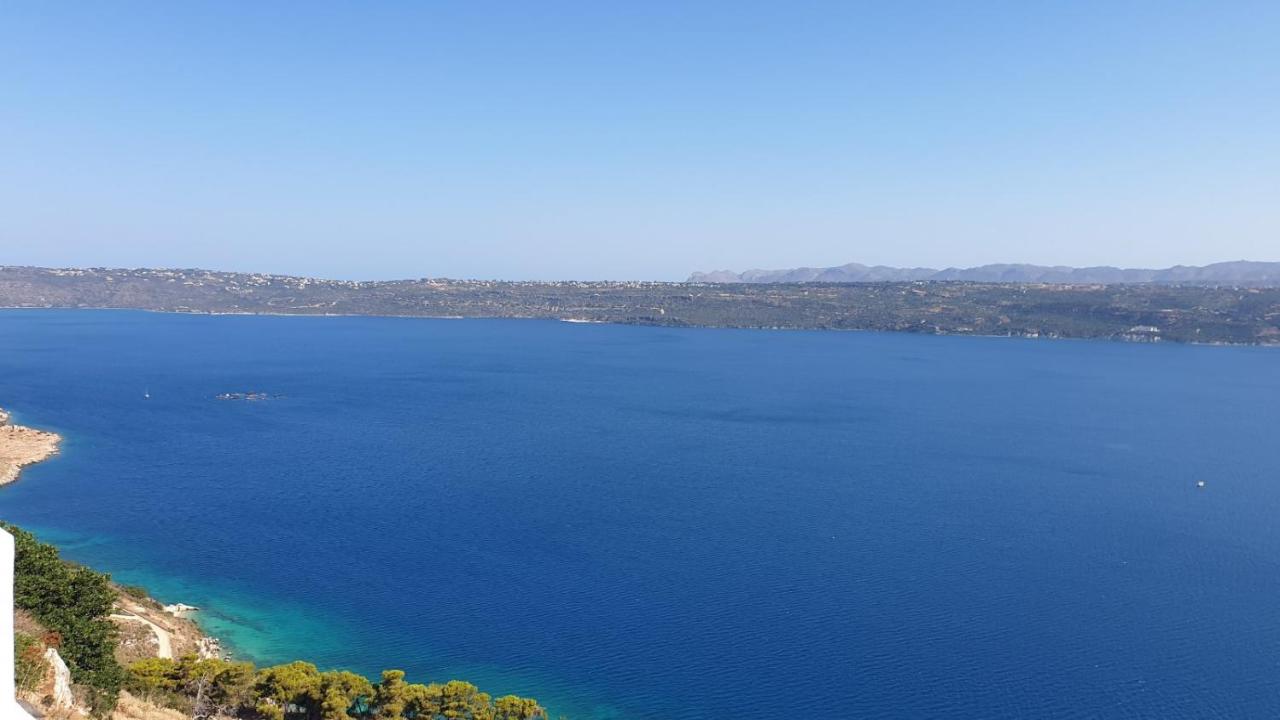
[(22, 446)]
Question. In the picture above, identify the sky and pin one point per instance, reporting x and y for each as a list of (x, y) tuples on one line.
[(636, 140)]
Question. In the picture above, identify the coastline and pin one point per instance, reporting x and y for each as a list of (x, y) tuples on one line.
[(1115, 338), (150, 628), (21, 446)]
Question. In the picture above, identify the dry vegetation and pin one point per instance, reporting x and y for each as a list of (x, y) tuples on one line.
[(22, 446)]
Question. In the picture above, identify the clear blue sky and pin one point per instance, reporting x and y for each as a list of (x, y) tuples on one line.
[(636, 140)]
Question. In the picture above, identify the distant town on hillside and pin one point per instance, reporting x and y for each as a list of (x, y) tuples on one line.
[(1131, 312)]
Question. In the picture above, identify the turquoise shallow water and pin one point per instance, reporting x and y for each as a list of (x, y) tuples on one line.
[(655, 523)]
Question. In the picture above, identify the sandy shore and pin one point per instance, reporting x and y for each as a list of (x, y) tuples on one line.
[(22, 446)]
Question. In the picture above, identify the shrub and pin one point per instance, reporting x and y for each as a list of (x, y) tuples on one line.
[(29, 665)]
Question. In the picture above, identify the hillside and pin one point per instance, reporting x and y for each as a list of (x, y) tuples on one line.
[(1133, 312), (1239, 273)]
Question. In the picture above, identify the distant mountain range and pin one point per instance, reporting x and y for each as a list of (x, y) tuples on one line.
[(1240, 273)]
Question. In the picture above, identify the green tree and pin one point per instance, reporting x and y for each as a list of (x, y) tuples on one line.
[(294, 687), (422, 701), (334, 706), (151, 677), (267, 710), (216, 685), (344, 688), (511, 707), (463, 701), (350, 684), (390, 695)]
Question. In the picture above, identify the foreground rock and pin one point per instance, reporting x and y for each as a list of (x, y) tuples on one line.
[(59, 682)]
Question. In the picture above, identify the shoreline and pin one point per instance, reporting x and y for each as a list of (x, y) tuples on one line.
[(148, 627), (641, 324), (21, 446)]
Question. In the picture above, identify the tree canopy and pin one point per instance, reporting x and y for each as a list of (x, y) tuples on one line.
[(300, 691)]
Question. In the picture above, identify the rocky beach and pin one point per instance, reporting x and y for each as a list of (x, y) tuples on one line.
[(21, 446)]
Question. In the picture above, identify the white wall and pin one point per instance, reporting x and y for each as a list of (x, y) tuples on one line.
[(9, 709)]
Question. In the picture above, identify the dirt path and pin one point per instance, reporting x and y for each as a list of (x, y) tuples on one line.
[(163, 638)]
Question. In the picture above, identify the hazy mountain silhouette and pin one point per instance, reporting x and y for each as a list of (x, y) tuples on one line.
[(1241, 272)]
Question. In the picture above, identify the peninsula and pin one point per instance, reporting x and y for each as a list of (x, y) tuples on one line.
[(1142, 312), (21, 446)]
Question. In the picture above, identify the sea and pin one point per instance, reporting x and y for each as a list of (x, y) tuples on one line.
[(635, 523)]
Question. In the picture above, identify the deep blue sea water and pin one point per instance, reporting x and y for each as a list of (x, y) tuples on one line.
[(654, 523)]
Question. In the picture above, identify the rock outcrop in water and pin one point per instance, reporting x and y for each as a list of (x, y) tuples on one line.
[(244, 396)]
